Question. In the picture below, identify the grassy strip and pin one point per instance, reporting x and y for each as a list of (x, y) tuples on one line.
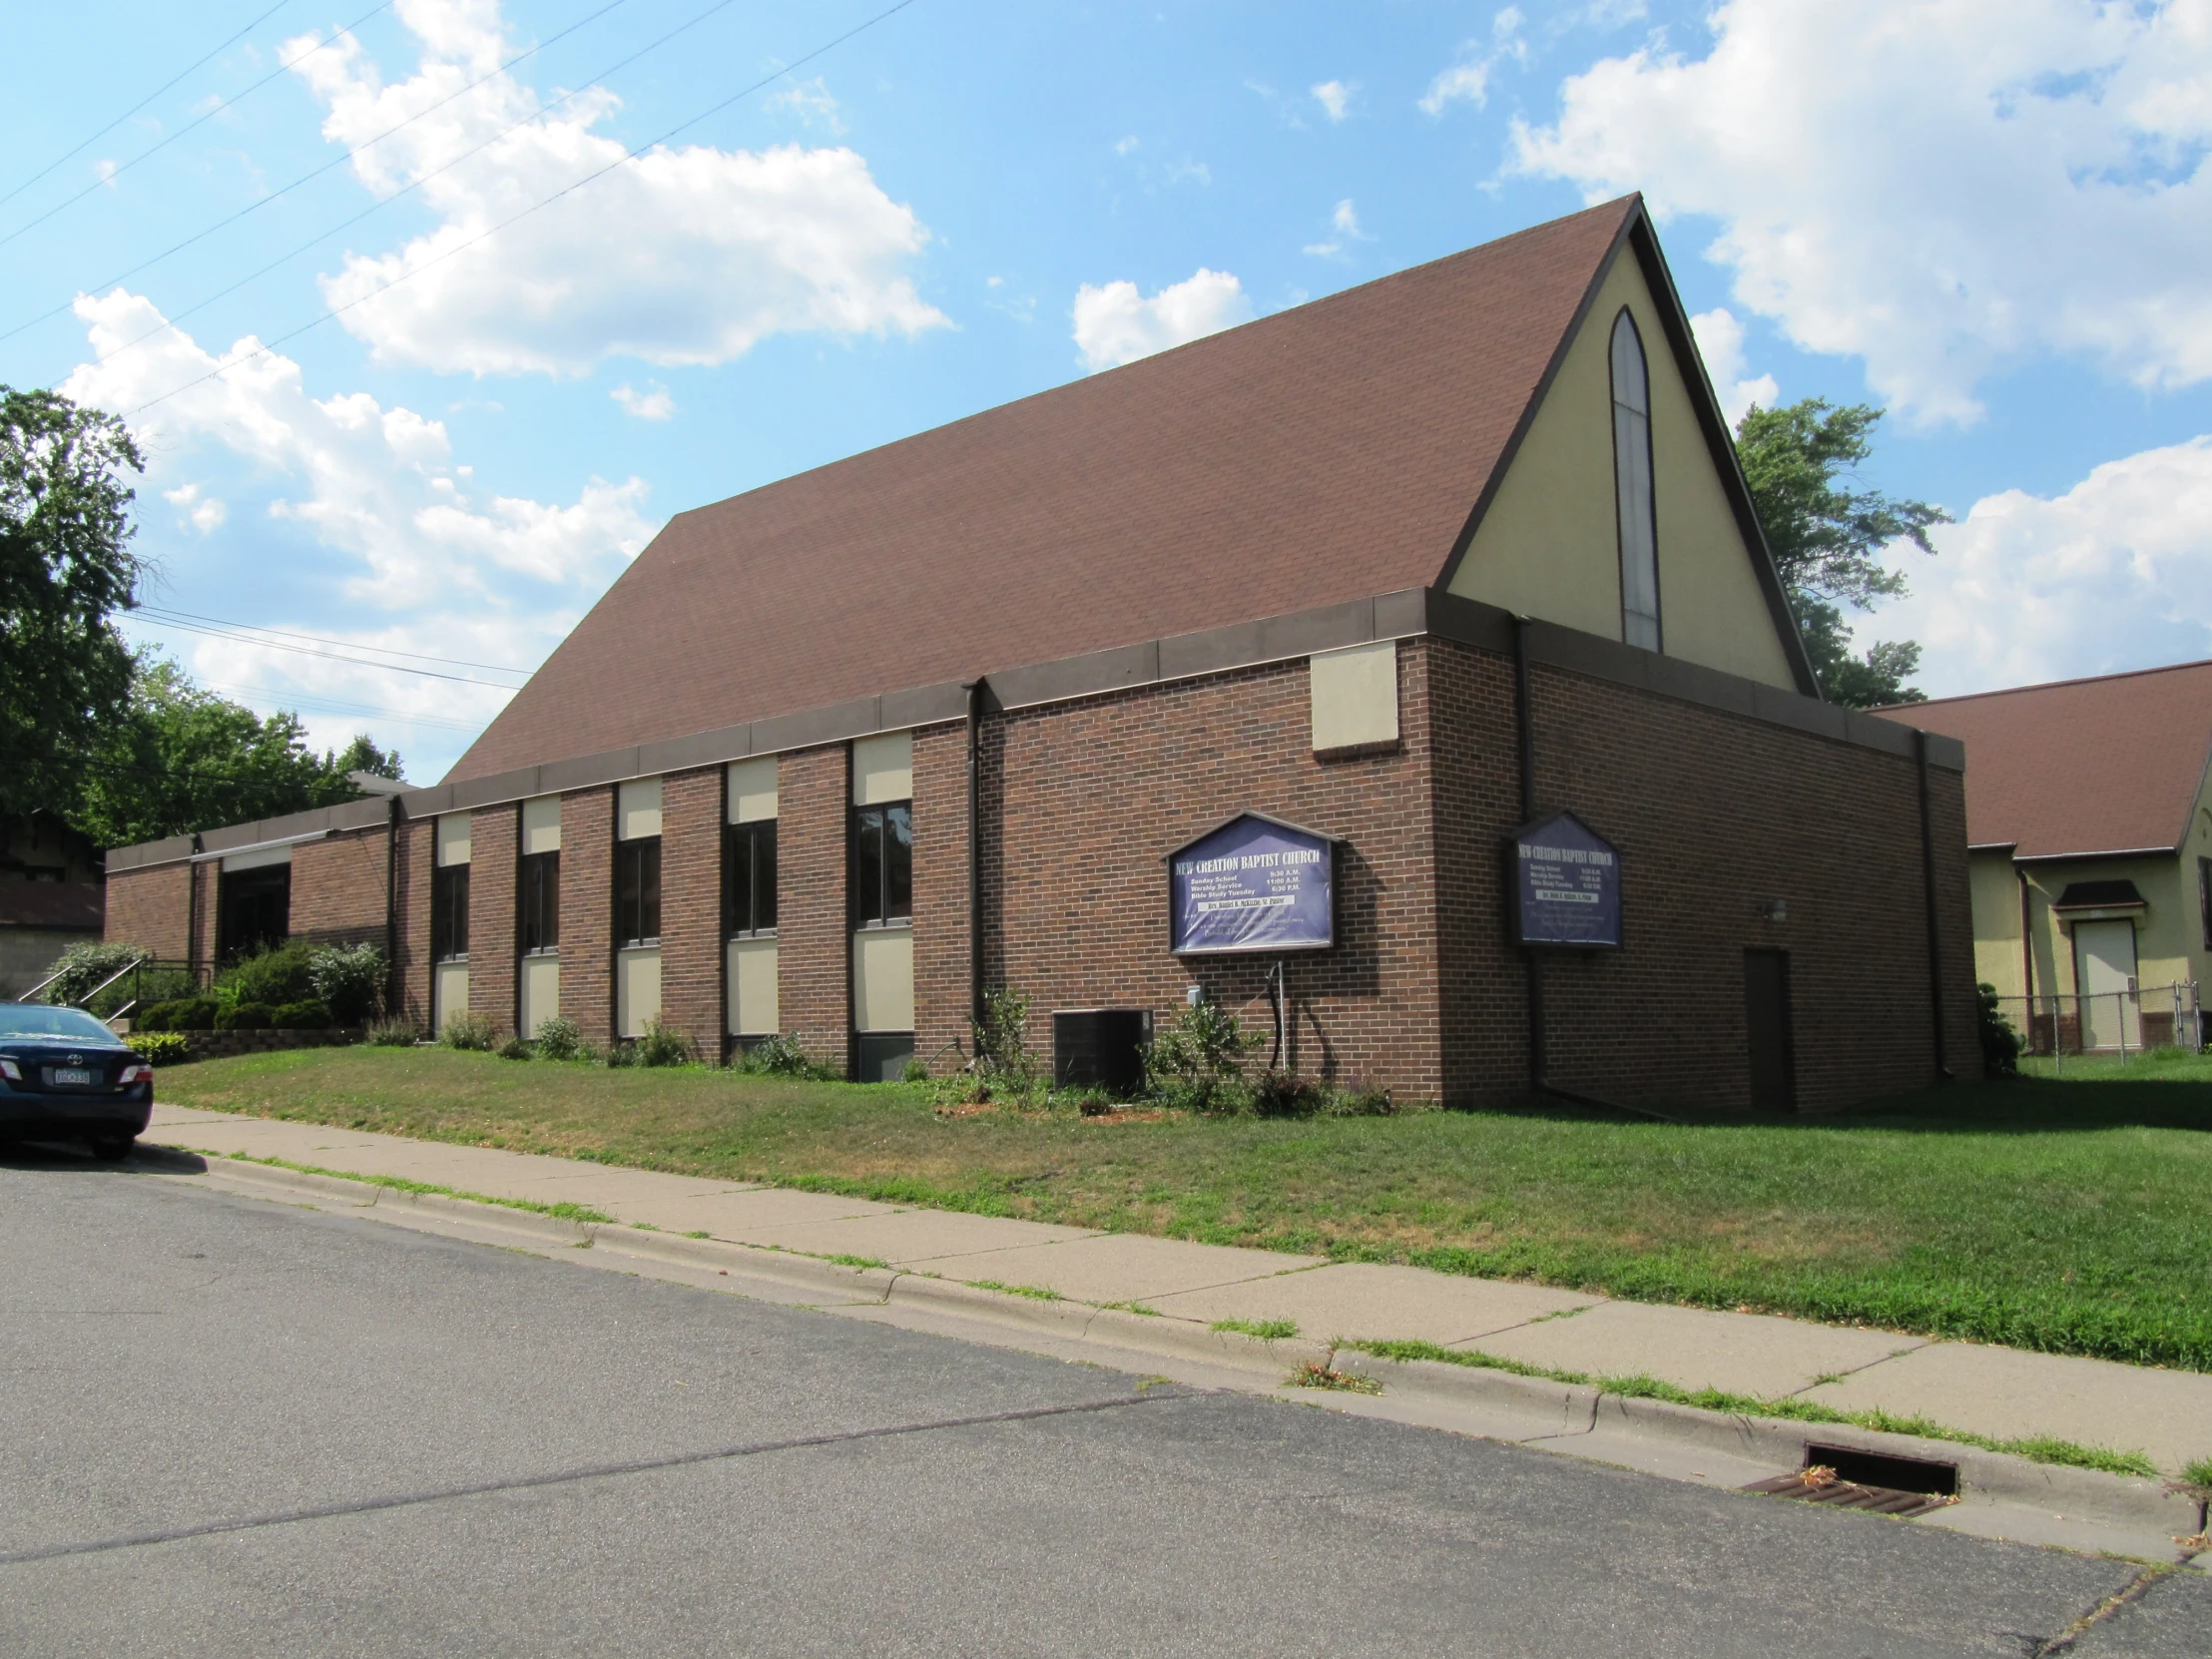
[(2036, 1449), (559, 1212), (1268, 1331), (1035, 1293)]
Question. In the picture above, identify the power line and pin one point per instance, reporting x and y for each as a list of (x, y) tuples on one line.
[(333, 656), (163, 144), (326, 705), (143, 102), (461, 248), (317, 173), (319, 639), (405, 191)]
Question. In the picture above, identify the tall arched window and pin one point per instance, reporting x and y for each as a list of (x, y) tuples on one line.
[(1632, 487)]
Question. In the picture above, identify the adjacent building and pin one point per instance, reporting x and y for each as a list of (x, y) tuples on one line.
[(50, 898), (1401, 572)]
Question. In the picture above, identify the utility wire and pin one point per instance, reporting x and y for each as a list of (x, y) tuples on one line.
[(337, 657), (329, 706), (317, 173), (245, 628), (461, 248), (405, 190), (163, 144), (143, 102)]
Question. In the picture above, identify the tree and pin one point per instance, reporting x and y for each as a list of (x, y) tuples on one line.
[(65, 568), (181, 758), (1825, 538)]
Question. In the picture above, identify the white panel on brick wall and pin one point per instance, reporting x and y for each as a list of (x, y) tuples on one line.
[(541, 825), (1354, 693), (257, 859), (637, 990), (449, 993), (538, 980), (753, 790), (884, 979), (883, 768), (452, 839), (638, 810), (755, 1010)]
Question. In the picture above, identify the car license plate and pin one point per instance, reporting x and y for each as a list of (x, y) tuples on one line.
[(80, 1076)]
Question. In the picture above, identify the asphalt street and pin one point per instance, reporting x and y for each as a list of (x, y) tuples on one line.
[(230, 1426)]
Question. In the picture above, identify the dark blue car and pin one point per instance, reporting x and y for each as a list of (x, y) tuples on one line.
[(64, 1076)]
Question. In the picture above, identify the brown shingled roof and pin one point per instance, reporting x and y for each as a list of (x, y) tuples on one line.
[(1317, 456), (2109, 764)]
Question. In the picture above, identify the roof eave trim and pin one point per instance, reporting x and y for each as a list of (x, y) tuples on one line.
[(2106, 853)]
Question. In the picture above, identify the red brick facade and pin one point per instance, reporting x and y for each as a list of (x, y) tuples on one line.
[(813, 939), (942, 956), (150, 909), (588, 911), (494, 841), (691, 907), (337, 889)]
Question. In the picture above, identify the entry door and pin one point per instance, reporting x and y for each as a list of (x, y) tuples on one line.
[(2104, 964), (1767, 1019)]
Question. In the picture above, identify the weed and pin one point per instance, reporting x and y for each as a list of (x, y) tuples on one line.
[(1317, 1376), (701, 1233), (1035, 1293), (392, 1033), (398, 1183), (1001, 1039), (1268, 1331), (662, 1045), (781, 1055), (514, 1049), (558, 1039), (1130, 1308), (466, 1028), (851, 1261)]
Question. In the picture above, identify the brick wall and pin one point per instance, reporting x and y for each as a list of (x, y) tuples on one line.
[(814, 968), (494, 837), (207, 885), (148, 908), (411, 966), (691, 907), (337, 889), (587, 911), (941, 957)]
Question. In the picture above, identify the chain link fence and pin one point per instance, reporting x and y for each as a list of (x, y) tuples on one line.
[(2107, 1023)]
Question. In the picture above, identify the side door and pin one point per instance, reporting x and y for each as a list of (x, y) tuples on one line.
[(2104, 972)]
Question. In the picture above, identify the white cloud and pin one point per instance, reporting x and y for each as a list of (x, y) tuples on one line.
[(651, 404), (1126, 146), (1116, 324), (684, 256), (810, 102), (1334, 97), (1344, 223), (204, 513), (2114, 574), (1942, 189), (1468, 79), (1720, 340)]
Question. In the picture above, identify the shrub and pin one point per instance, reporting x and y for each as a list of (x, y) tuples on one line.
[(917, 1072), (1361, 1097), (1285, 1094), (559, 1039), (246, 1016), (187, 1014), (392, 1033), (661, 1046), (466, 1028), (781, 1056), (309, 1015), (163, 1048), (276, 975), (1198, 1061), (83, 966), (620, 1054), (1003, 1038), (514, 1049), (2001, 1044), (350, 980)]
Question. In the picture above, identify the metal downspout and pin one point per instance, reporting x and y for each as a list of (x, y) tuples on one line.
[(391, 908), (1927, 893), (976, 851)]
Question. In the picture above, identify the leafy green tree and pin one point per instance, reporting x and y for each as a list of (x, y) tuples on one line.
[(181, 758), (1798, 460), (65, 568)]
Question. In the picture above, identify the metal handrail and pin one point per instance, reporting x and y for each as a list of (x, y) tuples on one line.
[(111, 979)]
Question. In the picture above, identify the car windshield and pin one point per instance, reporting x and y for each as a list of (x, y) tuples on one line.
[(33, 1019)]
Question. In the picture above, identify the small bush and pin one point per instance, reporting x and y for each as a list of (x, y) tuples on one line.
[(246, 1016), (1285, 1094), (187, 1014), (392, 1033), (1198, 1062), (558, 1039), (1361, 1097), (917, 1072), (661, 1046), (276, 975), (1002, 1039), (620, 1054), (82, 966), (466, 1028), (350, 980), (514, 1049), (309, 1015), (162, 1048), (781, 1056), (2001, 1044)]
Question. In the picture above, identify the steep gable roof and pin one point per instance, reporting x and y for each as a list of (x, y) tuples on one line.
[(1314, 457), (2109, 764)]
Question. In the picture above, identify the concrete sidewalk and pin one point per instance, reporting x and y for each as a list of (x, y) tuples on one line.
[(1999, 1393)]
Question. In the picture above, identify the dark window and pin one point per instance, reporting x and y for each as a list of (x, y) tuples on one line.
[(748, 876), (449, 913), (638, 892), (538, 906), (883, 863), (1639, 532), (2204, 898), (254, 911)]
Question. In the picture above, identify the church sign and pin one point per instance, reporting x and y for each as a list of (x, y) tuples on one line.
[(1254, 883), (1566, 885)]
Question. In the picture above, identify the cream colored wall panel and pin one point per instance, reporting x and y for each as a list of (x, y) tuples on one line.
[(1354, 695), (1549, 545), (539, 979), (452, 839), (448, 991), (753, 790), (883, 770), (755, 1010), (638, 810), (541, 825), (637, 990), (884, 979), (260, 859)]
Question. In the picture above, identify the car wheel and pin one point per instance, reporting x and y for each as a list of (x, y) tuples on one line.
[(113, 1149)]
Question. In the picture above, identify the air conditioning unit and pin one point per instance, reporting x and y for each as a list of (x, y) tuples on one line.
[(1100, 1048)]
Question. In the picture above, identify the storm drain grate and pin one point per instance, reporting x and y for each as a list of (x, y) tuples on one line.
[(1846, 1478)]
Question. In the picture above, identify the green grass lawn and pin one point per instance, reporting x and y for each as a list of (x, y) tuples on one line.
[(2072, 1217)]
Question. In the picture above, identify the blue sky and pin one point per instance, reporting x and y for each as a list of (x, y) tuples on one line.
[(1986, 216)]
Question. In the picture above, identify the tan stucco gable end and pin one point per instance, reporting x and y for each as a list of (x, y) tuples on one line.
[(1546, 543)]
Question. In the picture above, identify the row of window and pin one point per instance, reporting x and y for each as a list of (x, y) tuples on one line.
[(881, 885)]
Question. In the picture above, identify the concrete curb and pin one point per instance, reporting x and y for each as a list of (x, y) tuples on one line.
[(1994, 1477)]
